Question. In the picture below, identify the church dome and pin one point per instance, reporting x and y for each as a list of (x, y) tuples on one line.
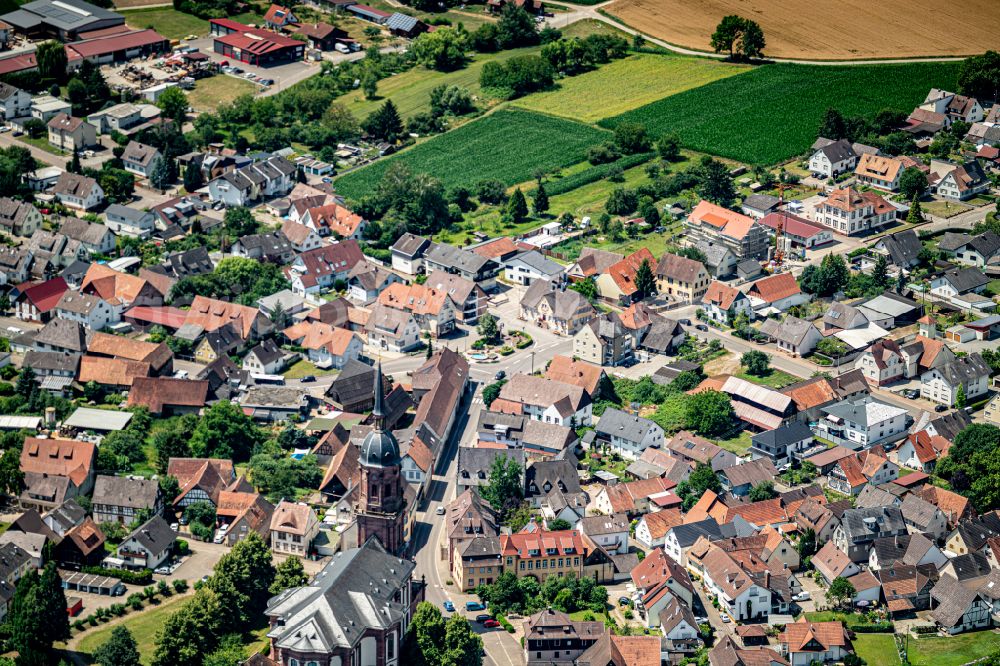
[(379, 449)]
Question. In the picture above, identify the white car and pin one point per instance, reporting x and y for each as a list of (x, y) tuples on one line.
[(725, 619), (801, 596), (440, 511)]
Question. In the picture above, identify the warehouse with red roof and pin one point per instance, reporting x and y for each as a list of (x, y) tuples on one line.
[(253, 45)]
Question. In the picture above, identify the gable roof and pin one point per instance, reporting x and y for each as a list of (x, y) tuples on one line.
[(576, 372), (59, 457), (775, 287), (155, 393), (211, 314)]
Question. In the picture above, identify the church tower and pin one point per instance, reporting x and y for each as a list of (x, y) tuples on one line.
[(379, 511)]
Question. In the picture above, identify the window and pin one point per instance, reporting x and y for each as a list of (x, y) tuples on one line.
[(390, 647), (293, 662)]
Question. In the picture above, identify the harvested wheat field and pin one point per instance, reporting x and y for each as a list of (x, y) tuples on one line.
[(830, 30)]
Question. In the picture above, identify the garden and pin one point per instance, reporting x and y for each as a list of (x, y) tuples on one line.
[(495, 341)]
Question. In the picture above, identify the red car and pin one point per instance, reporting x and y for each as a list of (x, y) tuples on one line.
[(491, 624)]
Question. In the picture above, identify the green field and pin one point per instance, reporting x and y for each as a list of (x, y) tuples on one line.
[(144, 625), (877, 649), (627, 84), (772, 112), (507, 145), (953, 650), (208, 94), (167, 21), (410, 91)]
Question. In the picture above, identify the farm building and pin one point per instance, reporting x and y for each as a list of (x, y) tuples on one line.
[(253, 45), (117, 48), (367, 13), (63, 19)]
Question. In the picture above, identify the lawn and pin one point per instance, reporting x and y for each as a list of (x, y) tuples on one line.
[(771, 113), (167, 21), (738, 445), (303, 368), (944, 209), (208, 94), (849, 619), (508, 145), (776, 379), (993, 288), (953, 650), (627, 84), (877, 649), (410, 91), (144, 625), (42, 143)]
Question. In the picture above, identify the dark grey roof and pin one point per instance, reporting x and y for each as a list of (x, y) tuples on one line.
[(670, 371), (482, 546), (68, 515), (762, 202), (191, 262), (548, 475), (538, 262), (267, 352), (661, 334), (966, 279), (154, 535), (838, 151), (596, 525), (976, 531), (786, 435), (12, 559), (688, 533), (951, 241), (919, 512), (64, 334), (890, 549), (953, 600), (353, 382), (223, 339), (126, 213), (354, 593), (474, 464), (970, 565), (630, 427), (410, 245), (47, 362), (70, 15), (964, 370), (987, 244), (950, 424), (458, 258), (872, 523), (125, 492), (903, 247)]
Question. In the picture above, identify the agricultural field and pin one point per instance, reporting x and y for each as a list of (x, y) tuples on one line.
[(167, 21), (790, 26), (626, 84), (508, 145), (771, 113), (410, 91)]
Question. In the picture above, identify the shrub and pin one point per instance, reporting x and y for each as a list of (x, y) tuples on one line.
[(181, 547), (875, 628), (141, 577), (506, 351), (628, 614), (180, 586), (79, 625)]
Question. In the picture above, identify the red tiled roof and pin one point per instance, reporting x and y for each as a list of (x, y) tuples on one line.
[(623, 272), (105, 45), (561, 541), (155, 393), (58, 457), (45, 295), (163, 315), (775, 287), (792, 224)]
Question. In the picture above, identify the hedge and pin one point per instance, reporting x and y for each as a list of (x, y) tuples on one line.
[(595, 173), (141, 577), (877, 628)]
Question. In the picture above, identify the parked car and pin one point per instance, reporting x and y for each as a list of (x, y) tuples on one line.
[(474, 606), (450, 607), (941, 408), (701, 327), (685, 322), (623, 601), (308, 378), (500, 375), (174, 526), (725, 619), (163, 571), (801, 596), (491, 624), (439, 511), (483, 617), (912, 394)]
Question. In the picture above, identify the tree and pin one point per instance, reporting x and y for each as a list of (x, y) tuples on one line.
[(833, 126), (505, 489), (516, 27), (757, 363), (51, 608), (621, 201), (960, 397), (632, 138), (52, 61), (645, 281), (807, 543), (488, 327), (288, 574), (701, 479), (242, 580), (119, 650), (540, 202), (762, 491), (277, 475), (559, 524), (586, 287), (517, 207), (669, 147), (191, 632), (11, 476), (979, 76), (880, 273), (726, 33), (491, 392), (164, 173), (462, 647), (384, 123), (25, 623), (714, 182), (841, 591), (226, 432), (752, 40), (26, 382), (831, 347), (425, 637), (174, 104), (709, 413), (443, 50), (916, 214), (912, 183)]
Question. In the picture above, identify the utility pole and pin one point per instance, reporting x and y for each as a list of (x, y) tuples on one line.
[(532, 363)]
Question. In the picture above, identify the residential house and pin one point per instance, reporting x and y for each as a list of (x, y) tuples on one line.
[(550, 636), (879, 171), (902, 248), (318, 270), (528, 267), (542, 553), (681, 279), (19, 218), (798, 233), (922, 517), (562, 311), (266, 358), (140, 159), (63, 336), (833, 563), (854, 472), (721, 303), (338, 606), (548, 401), (326, 346), (910, 549), (694, 450), (720, 262), (781, 445), (37, 302), (921, 450), (474, 465), (392, 330), (806, 643), (79, 192), (519, 432), (166, 395), (613, 650), (779, 291), (432, 309), (300, 236), (740, 595), (469, 298), (956, 608), (965, 377), (832, 159), (618, 283), (473, 543), (608, 532), (14, 103), (604, 340), (408, 254), (738, 233), (273, 247), (268, 178), (792, 335), (120, 499), (759, 206), (627, 434), (978, 251), (850, 211), (657, 579), (218, 344), (576, 372), (679, 539), (148, 546), (333, 219), (636, 498), (210, 314), (955, 107), (861, 423), (94, 238), (132, 222), (82, 546), (741, 479), (651, 530), (959, 182), (860, 527), (70, 134), (56, 470), (294, 527), (959, 281), (591, 263), (241, 511), (468, 264)]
